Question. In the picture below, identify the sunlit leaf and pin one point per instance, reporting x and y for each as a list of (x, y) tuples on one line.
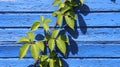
[(23, 50), (70, 22), (59, 19), (30, 36), (82, 1), (23, 39), (56, 2), (55, 33), (42, 18), (56, 13), (61, 5), (40, 45), (47, 20), (51, 44), (35, 25), (61, 45), (34, 51), (46, 27), (51, 63)]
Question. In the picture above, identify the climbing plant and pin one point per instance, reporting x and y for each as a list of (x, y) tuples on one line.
[(53, 40)]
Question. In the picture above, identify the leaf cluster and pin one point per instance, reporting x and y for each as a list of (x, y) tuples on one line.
[(52, 39)]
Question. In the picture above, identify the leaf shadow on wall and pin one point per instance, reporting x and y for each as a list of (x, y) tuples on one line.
[(113, 1), (72, 47)]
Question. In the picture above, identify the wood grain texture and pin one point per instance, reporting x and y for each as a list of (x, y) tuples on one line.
[(92, 19), (45, 5), (83, 50), (14, 62), (93, 34)]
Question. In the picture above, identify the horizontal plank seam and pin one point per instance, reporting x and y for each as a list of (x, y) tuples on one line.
[(27, 27), (36, 12), (88, 42), (66, 58)]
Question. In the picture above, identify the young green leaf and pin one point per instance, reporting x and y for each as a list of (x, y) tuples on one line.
[(56, 13), (23, 50), (23, 39), (46, 27), (34, 51), (63, 10), (41, 19), (70, 22), (61, 45), (30, 35), (60, 62), (56, 2), (61, 5), (71, 14), (43, 58), (40, 45), (35, 25), (47, 20), (82, 1), (51, 63), (51, 44), (59, 19), (55, 33)]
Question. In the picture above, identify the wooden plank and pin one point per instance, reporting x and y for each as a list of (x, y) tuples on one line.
[(93, 34), (78, 49), (70, 62), (45, 5), (26, 20)]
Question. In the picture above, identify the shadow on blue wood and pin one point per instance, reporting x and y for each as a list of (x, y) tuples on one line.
[(72, 46)]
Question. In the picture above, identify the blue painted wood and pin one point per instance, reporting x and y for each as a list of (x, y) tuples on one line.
[(26, 20), (45, 5), (99, 47), (14, 62), (83, 50), (93, 34)]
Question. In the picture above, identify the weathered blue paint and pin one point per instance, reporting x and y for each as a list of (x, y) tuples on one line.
[(25, 20), (45, 5), (71, 62), (97, 45), (93, 34)]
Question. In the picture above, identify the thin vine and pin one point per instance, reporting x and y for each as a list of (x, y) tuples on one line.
[(53, 40)]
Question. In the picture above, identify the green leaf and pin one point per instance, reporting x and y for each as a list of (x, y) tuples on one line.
[(82, 2), (34, 51), (61, 5), (35, 25), (55, 33), (70, 22), (59, 19), (44, 57), (46, 27), (42, 18), (71, 14), (64, 38), (56, 2), (47, 37), (51, 63), (30, 35), (51, 44), (40, 45), (23, 39), (60, 62), (63, 10), (56, 13), (61, 45), (47, 20), (23, 50)]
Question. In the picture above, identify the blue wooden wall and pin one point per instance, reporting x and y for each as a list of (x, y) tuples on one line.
[(97, 45)]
